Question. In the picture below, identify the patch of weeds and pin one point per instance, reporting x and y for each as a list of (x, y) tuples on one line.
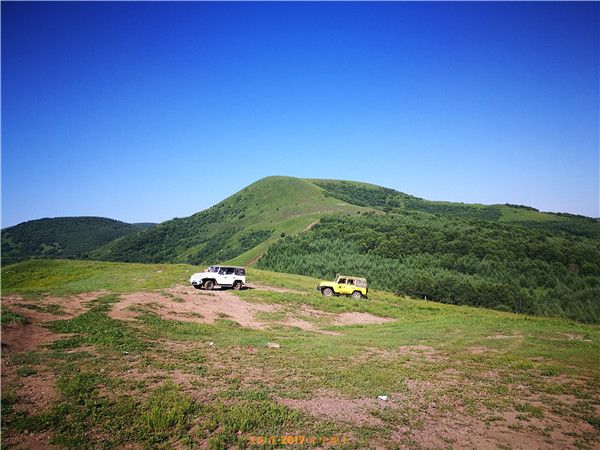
[(22, 358), (493, 419), (193, 361), (366, 379), (55, 310), (84, 411), (171, 296), (261, 394), (22, 421), (594, 421), (388, 415), (222, 332), (9, 398), (533, 411), (70, 356), (270, 316), (165, 413), (193, 315), (26, 371), (193, 356), (95, 327), (68, 343), (231, 424), (550, 371), (198, 370), (7, 316)]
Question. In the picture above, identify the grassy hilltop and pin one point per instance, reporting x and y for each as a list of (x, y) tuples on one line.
[(129, 355), (240, 227)]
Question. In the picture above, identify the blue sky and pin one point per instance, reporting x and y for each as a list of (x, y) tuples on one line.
[(149, 111)]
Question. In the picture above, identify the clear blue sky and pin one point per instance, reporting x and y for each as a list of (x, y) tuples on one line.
[(149, 111)]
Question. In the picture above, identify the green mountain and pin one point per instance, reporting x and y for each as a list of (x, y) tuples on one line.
[(507, 257), (61, 237), (240, 228)]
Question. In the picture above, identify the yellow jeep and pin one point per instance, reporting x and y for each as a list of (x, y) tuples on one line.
[(344, 285)]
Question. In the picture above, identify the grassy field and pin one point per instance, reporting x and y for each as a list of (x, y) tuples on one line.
[(112, 354)]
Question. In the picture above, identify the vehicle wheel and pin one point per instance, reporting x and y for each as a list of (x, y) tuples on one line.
[(356, 295), (327, 292), (237, 285), (209, 284)]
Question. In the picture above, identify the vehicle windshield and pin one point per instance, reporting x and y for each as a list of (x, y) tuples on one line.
[(212, 269)]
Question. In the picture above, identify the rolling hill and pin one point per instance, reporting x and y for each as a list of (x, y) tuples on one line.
[(506, 257), (240, 228), (61, 237)]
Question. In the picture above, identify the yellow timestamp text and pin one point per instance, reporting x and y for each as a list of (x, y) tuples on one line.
[(293, 439)]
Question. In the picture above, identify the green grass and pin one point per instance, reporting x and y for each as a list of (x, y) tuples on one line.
[(157, 383), (95, 327), (8, 316), (64, 277), (266, 209)]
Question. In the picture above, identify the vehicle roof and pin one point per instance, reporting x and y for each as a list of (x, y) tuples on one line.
[(350, 276), (231, 267)]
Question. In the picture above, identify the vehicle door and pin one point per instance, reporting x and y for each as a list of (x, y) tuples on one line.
[(340, 285), (348, 287), (227, 276)]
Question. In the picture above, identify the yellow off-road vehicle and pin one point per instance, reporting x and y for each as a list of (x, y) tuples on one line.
[(344, 285)]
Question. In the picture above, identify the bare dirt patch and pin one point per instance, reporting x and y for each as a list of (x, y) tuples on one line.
[(439, 419), (330, 405), (504, 336), (202, 307), (421, 352), (37, 441), (69, 306), (22, 338), (305, 325), (262, 287), (194, 305), (359, 318), (567, 337), (478, 350), (37, 391)]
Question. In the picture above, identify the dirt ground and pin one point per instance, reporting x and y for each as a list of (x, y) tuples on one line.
[(424, 415), (184, 303)]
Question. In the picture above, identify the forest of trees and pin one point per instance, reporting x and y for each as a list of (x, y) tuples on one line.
[(211, 236), (453, 260), (61, 237)]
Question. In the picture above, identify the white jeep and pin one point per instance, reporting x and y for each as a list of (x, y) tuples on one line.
[(224, 276)]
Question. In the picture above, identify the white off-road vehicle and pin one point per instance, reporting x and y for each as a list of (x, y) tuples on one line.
[(224, 276)]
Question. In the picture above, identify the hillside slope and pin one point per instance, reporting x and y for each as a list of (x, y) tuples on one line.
[(500, 256), (390, 200), (240, 227), (61, 237), (507, 257)]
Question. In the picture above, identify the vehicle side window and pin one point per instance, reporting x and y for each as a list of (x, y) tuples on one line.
[(342, 281), (229, 271), (222, 272), (350, 281), (241, 272)]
